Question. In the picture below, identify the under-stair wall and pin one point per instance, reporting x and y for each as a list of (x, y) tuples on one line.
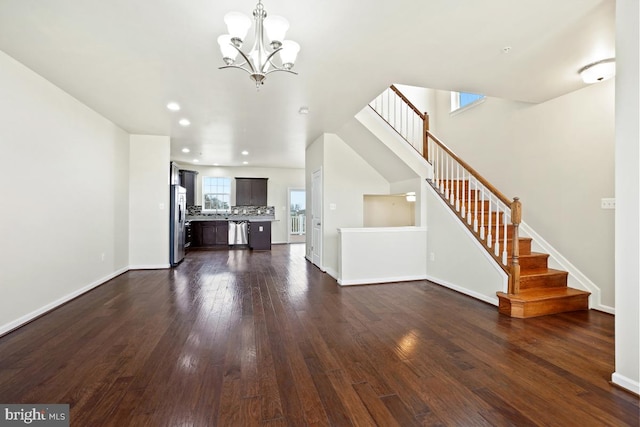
[(455, 259)]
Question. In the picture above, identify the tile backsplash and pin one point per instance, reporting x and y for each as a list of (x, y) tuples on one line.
[(236, 210)]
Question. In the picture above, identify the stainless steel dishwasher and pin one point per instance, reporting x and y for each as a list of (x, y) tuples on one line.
[(238, 233)]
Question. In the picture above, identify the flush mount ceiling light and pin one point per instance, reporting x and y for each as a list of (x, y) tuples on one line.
[(173, 106), (598, 71), (184, 122), (258, 62)]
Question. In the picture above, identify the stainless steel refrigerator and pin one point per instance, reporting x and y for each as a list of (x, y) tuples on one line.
[(176, 224)]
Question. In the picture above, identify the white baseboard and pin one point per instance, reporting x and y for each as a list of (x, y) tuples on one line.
[(626, 383), (150, 267), (42, 310), (576, 278), (469, 292), (373, 281)]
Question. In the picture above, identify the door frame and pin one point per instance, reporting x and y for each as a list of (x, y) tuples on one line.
[(289, 190), (316, 218)]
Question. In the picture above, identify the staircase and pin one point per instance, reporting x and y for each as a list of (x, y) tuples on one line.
[(493, 219), (542, 290)]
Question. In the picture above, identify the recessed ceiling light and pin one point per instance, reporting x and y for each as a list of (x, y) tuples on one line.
[(195, 160), (216, 164), (245, 153), (245, 163), (303, 110), (185, 150), (173, 106), (184, 122)]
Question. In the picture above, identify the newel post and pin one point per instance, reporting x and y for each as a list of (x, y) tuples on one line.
[(425, 138), (516, 218)]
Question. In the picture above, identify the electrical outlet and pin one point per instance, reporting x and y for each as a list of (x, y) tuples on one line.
[(432, 256), (608, 203)]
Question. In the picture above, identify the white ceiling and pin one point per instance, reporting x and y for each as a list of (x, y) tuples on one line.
[(126, 59)]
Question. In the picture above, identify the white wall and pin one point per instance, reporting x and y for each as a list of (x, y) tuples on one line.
[(388, 211), (280, 180), (346, 178), (382, 255), (627, 155), (64, 222), (558, 157), (455, 259), (149, 201)]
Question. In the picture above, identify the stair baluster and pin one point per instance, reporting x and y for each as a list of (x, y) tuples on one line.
[(489, 235), (458, 188), (504, 240), (482, 236)]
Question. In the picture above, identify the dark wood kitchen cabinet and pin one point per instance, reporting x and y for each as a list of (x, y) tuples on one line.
[(251, 191), (188, 181), (209, 233), (260, 235)]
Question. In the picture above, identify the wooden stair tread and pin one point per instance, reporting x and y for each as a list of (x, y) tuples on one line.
[(543, 272), (534, 254), (540, 294)]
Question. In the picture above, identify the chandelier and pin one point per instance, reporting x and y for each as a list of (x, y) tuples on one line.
[(259, 61)]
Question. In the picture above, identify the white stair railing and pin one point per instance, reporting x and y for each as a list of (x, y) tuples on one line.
[(402, 116), (477, 203)]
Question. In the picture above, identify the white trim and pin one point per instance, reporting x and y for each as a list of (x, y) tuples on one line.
[(465, 291), (55, 304), (626, 383), (150, 267), (409, 228), (576, 278), (374, 281)]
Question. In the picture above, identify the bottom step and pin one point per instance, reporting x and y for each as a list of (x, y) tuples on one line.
[(542, 301)]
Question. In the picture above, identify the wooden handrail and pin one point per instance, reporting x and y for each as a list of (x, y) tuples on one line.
[(406, 101), (473, 172)]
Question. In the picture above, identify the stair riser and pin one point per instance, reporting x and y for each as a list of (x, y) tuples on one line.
[(543, 308), (542, 281), (531, 263), (492, 231), (524, 246)]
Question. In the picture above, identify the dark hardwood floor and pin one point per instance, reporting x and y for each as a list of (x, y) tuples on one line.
[(245, 338)]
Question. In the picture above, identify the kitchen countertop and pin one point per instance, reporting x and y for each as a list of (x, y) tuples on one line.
[(214, 217)]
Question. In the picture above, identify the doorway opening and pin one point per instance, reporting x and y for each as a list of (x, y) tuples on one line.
[(297, 215)]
